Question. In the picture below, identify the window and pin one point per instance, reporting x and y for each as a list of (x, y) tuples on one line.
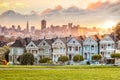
[(73, 41), (70, 48), (10, 58), (76, 48), (31, 45), (92, 47), (108, 44), (43, 43), (35, 60), (85, 55), (61, 49), (102, 46), (46, 51)]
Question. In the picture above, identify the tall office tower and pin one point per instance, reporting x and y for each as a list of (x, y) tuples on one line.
[(70, 28), (43, 24), (32, 29), (70, 25), (19, 28), (13, 27), (27, 26)]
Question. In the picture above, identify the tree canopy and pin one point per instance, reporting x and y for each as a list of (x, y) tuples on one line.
[(27, 59), (117, 30)]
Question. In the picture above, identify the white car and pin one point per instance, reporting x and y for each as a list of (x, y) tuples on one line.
[(117, 64)]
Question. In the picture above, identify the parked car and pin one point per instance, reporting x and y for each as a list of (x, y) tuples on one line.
[(94, 63), (117, 64)]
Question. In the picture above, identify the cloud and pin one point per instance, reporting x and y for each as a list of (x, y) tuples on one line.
[(96, 13), (92, 6), (50, 11)]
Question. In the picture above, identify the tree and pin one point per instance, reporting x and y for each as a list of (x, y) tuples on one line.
[(78, 58), (7, 55), (96, 57), (63, 59), (117, 30), (4, 53), (27, 59), (44, 60)]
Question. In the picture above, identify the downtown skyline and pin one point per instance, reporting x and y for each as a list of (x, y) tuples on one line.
[(88, 13)]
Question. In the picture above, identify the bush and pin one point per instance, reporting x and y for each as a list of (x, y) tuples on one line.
[(7, 55), (44, 60), (96, 57), (63, 59), (78, 58), (27, 59), (115, 55)]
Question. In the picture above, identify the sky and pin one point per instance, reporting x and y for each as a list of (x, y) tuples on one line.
[(52, 7), (26, 6)]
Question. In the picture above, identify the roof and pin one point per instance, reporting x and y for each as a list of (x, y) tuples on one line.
[(37, 42), (64, 40), (19, 43), (49, 41), (2, 43)]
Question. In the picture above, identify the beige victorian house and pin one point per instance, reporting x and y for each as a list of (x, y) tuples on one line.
[(59, 48)]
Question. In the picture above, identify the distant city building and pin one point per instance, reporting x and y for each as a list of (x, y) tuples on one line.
[(32, 29), (19, 28), (27, 26), (43, 24), (13, 27)]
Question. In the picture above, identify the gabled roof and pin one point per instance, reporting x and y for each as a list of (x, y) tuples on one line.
[(95, 37), (37, 42), (27, 40), (49, 41), (89, 40), (79, 39), (64, 40), (107, 38), (19, 43), (82, 37)]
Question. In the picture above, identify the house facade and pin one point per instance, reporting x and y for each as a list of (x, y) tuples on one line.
[(45, 48), (90, 47), (40, 49), (59, 49), (74, 47), (16, 49), (68, 46), (33, 48), (107, 47)]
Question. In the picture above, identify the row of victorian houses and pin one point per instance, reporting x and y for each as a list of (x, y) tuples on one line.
[(68, 46)]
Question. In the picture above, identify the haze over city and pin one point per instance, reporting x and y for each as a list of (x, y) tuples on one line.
[(87, 13)]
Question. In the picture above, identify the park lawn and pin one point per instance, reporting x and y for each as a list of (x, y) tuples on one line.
[(59, 73)]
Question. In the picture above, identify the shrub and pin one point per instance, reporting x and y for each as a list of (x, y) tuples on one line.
[(44, 60), (78, 58), (7, 55), (27, 59), (115, 55), (96, 57), (63, 59)]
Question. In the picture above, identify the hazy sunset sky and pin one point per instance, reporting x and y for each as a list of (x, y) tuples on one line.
[(77, 11), (26, 6)]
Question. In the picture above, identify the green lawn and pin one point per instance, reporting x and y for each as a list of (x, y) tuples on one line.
[(59, 73)]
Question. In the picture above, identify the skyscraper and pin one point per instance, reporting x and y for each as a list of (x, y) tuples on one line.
[(19, 28), (27, 26), (43, 24)]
